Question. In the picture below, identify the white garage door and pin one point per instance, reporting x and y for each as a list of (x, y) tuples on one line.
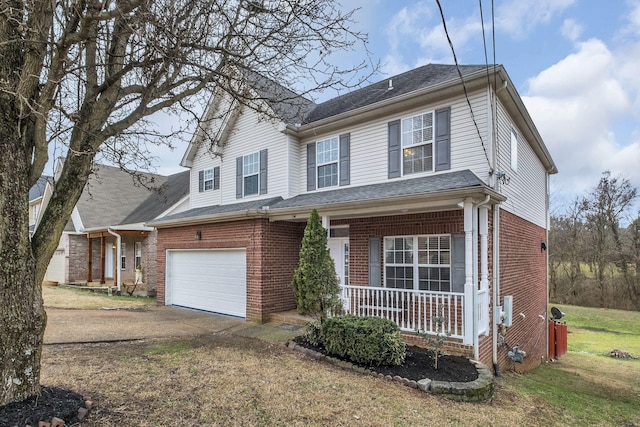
[(211, 280)]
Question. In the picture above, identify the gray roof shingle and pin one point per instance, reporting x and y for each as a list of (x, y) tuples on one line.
[(208, 211), (418, 78), (464, 179), (38, 188), (174, 188), (111, 195)]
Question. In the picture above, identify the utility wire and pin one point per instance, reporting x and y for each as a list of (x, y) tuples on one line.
[(464, 86), (484, 42)]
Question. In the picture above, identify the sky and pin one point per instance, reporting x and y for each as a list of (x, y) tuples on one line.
[(575, 63)]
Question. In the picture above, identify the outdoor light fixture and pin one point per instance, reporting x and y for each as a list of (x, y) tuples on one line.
[(198, 235), (543, 246)]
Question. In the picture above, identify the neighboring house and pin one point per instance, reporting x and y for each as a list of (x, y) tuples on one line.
[(434, 191), (36, 197), (106, 239)]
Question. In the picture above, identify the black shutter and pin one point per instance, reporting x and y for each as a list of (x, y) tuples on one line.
[(457, 263), (395, 149), (239, 178), (201, 181), (263, 171), (311, 166), (375, 270), (345, 142), (216, 178), (443, 139)]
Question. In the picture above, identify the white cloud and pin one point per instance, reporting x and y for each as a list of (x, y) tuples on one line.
[(518, 18), (576, 104), (572, 30)]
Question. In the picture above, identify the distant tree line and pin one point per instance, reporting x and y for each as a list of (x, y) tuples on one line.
[(594, 248)]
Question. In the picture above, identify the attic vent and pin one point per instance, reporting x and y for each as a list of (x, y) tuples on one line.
[(390, 85)]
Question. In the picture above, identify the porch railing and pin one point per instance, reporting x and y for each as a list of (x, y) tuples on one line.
[(410, 309)]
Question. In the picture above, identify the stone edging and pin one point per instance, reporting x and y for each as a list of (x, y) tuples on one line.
[(478, 390)]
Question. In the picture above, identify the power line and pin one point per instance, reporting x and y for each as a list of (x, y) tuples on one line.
[(464, 86)]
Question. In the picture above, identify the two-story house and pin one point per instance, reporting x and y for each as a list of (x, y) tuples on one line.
[(434, 191)]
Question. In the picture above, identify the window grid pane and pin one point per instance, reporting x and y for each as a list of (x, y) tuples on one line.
[(251, 169), (327, 152), (417, 130), (417, 159), (428, 256)]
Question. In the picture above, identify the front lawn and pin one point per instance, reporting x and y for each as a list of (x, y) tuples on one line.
[(68, 297)]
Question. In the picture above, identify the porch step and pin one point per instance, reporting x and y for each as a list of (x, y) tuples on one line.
[(289, 317)]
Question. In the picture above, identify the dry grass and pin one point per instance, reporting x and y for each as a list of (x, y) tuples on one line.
[(64, 297), (225, 380)]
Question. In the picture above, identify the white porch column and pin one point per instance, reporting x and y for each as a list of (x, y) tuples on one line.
[(326, 223), (484, 247), (469, 300)]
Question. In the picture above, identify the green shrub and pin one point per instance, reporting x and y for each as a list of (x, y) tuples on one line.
[(368, 341), (313, 333)]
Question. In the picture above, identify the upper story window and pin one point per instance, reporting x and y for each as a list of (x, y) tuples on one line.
[(417, 143), (36, 211), (420, 143), (329, 162), (251, 174), (209, 179), (327, 152)]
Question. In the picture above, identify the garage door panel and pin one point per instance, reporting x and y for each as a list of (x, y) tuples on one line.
[(212, 280)]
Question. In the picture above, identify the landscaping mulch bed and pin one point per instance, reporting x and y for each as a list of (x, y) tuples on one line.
[(54, 405), (419, 364)]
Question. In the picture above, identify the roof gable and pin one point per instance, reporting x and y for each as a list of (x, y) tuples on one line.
[(111, 194)]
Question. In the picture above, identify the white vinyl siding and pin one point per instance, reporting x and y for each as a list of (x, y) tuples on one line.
[(369, 143), (526, 188), (249, 135)]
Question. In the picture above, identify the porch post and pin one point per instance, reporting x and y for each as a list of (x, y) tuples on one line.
[(102, 259), (89, 260), (484, 247), (469, 300)]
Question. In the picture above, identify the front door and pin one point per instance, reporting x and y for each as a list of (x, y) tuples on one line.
[(339, 249), (108, 260)]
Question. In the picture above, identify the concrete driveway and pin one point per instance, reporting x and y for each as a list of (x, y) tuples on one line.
[(68, 326)]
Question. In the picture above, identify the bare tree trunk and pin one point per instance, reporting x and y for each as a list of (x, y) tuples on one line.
[(22, 315)]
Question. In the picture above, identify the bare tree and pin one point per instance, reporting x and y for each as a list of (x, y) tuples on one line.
[(567, 253), (85, 74), (605, 208)]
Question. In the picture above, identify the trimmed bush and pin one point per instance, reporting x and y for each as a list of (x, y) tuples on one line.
[(313, 333), (367, 341)]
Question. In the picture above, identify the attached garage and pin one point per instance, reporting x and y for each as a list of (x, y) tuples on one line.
[(212, 280)]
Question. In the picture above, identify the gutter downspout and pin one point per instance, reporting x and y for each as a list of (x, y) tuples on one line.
[(495, 297), (117, 262)]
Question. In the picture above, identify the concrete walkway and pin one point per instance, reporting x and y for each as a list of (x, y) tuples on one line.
[(67, 326)]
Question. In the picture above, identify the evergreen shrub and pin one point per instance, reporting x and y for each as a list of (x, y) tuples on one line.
[(367, 341)]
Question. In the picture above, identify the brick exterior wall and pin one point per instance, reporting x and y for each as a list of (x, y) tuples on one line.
[(272, 250), (272, 255), (78, 245), (523, 274)]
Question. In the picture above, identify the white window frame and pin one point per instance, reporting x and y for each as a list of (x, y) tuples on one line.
[(328, 161), (415, 261), (407, 143), (250, 168), (208, 180), (123, 256), (137, 254), (36, 212), (514, 150)]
